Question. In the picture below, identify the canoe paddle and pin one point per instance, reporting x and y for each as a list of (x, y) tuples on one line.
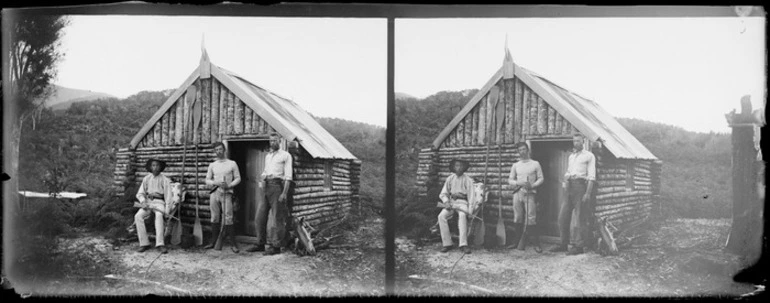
[(176, 234), (197, 229)]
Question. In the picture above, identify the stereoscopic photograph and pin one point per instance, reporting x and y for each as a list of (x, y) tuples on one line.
[(196, 155), (352, 150), (577, 157)]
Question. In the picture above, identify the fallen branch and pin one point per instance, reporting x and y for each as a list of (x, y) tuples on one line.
[(174, 288), (340, 246), (445, 281), (317, 234)]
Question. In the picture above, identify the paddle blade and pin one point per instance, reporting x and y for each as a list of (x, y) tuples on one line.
[(479, 232), (176, 233), (198, 232), (500, 233)]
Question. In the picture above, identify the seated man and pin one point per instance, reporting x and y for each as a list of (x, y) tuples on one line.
[(458, 190), (154, 192)]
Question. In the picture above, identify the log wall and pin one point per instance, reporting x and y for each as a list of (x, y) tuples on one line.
[(320, 206), (614, 198), (526, 116), (222, 114), (619, 201)]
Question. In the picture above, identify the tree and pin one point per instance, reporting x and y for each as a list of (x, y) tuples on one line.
[(31, 48)]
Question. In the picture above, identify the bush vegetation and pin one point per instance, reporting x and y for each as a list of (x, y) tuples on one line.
[(695, 177)]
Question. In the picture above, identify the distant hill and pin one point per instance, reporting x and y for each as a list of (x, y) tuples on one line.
[(64, 97), (404, 96)]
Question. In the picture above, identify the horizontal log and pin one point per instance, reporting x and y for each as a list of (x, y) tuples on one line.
[(623, 194)]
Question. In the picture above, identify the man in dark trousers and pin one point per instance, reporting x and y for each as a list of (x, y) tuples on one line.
[(579, 182), (272, 214)]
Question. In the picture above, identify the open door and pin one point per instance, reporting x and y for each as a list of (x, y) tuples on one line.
[(553, 157), (250, 156)]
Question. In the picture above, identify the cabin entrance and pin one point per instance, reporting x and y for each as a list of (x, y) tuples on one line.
[(553, 156), (250, 157)]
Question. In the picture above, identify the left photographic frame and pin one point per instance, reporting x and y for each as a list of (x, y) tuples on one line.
[(298, 103)]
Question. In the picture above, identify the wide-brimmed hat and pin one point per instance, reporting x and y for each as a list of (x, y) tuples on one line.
[(149, 164), (465, 164)]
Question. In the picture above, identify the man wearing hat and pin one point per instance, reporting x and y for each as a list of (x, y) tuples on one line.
[(155, 191), (456, 194)]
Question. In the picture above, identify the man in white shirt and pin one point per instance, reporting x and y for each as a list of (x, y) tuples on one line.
[(273, 212), (155, 192), (579, 182), (528, 175), (457, 193), (223, 174)]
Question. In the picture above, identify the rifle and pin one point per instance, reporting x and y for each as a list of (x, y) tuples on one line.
[(444, 205)]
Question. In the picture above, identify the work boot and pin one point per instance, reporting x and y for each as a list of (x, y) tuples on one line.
[(256, 248), (163, 249), (272, 251), (214, 235), (535, 239), (446, 248), (560, 248), (143, 248), (231, 235), (465, 249), (524, 239), (575, 251)]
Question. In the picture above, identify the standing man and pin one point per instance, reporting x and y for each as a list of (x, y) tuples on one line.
[(579, 182), (155, 192), (223, 174), (527, 175), (272, 213), (458, 193)]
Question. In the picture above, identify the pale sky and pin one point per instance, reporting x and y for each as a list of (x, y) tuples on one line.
[(687, 72), (332, 67)]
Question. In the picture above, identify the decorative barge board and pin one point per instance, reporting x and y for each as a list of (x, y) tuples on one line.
[(242, 115), (544, 115)]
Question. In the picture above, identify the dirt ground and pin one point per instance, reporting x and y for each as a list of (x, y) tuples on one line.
[(358, 270), (680, 257)]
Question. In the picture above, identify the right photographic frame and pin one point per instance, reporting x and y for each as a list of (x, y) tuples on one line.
[(579, 156)]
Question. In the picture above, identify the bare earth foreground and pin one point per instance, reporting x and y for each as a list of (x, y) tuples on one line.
[(680, 257), (357, 269)]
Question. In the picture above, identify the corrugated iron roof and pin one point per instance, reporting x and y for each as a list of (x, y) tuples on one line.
[(614, 136), (313, 137), (586, 115)]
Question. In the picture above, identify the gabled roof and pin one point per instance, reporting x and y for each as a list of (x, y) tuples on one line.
[(586, 115), (284, 115)]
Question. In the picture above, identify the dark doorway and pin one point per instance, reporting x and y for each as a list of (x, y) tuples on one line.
[(250, 156), (553, 156)]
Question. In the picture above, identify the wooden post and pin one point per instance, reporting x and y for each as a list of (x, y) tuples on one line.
[(214, 110), (745, 236), (205, 135), (179, 119)]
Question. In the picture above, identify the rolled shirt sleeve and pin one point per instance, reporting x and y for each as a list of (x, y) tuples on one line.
[(287, 171), (538, 175), (141, 194), (444, 195), (512, 175), (591, 175)]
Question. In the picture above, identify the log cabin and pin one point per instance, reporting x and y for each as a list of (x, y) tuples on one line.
[(242, 115), (518, 105)]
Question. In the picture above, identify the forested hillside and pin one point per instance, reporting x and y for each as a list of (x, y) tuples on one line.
[(77, 146), (696, 166)]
